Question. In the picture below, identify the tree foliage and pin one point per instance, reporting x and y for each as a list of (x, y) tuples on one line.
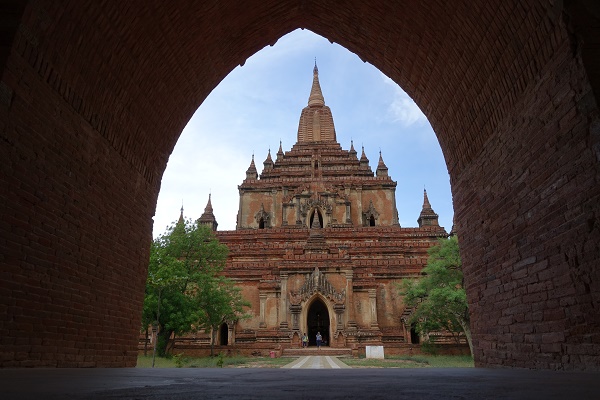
[(439, 296), (184, 284), (220, 301)]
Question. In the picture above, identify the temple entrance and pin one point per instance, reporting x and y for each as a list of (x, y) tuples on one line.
[(317, 320), (414, 335), (224, 335)]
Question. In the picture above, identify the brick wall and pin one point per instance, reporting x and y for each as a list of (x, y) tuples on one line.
[(75, 224), (530, 232), (73, 261), (93, 97)]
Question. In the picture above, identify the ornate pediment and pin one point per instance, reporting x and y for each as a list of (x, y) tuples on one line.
[(263, 216), (337, 191), (371, 212), (310, 204), (300, 190), (317, 282)]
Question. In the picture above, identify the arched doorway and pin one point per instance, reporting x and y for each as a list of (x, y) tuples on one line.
[(223, 335), (316, 213), (414, 335), (317, 320)]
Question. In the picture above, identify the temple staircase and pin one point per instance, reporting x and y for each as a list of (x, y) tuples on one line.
[(314, 351)]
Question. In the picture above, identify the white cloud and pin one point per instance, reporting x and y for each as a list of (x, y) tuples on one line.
[(402, 108), (201, 163)]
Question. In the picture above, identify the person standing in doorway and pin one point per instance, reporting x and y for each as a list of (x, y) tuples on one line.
[(304, 340), (319, 339)]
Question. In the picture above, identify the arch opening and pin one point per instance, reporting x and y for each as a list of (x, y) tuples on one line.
[(224, 335), (318, 321), (484, 99), (414, 335), (316, 213), (375, 91)]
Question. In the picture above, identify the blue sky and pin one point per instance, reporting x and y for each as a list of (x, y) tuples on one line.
[(259, 104)]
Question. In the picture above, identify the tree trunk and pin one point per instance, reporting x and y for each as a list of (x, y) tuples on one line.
[(213, 336), (171, 345), (467, 330), (163, 341), (146, 343)]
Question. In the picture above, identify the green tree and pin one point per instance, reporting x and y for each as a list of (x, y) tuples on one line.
[(220, 302), (185, 263), (439, 296)]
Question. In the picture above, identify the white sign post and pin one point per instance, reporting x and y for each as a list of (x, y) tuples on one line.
[(375, 352)]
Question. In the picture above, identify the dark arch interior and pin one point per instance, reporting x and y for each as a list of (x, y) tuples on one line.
[(372, 221), (319, 216), (224, 335), (414, 335), (317, 320), (509, 88), (261, 224)]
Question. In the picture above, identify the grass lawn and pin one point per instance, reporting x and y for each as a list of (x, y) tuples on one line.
[(212, 362), (422, 361)]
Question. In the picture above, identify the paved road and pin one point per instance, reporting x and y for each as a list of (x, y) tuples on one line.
[(292, 384), (316, 362)]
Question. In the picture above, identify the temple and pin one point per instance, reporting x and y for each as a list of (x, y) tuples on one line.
[(318, 246)]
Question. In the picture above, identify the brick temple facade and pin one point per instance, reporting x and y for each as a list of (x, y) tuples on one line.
[(318, 245)]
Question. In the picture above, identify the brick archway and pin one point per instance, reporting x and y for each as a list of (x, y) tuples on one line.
[(328, 321), (94, 96)]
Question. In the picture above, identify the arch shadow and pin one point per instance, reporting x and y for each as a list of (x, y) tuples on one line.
[(94, 96)]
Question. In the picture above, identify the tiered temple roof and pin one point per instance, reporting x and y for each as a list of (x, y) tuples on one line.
[(316, 154)]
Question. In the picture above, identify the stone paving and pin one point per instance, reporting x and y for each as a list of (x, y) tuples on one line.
[(316, 362), (280, 383)]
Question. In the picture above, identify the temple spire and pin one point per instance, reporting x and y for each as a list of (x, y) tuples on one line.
[(180, 221), (316, 96), (279, 152), (363, 158), (382, 169), (179, 228), (316, 121), (251, 172), (208, 207), (428, 216), (268, 163), (426, 203), (208, 217), (352, 152)]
